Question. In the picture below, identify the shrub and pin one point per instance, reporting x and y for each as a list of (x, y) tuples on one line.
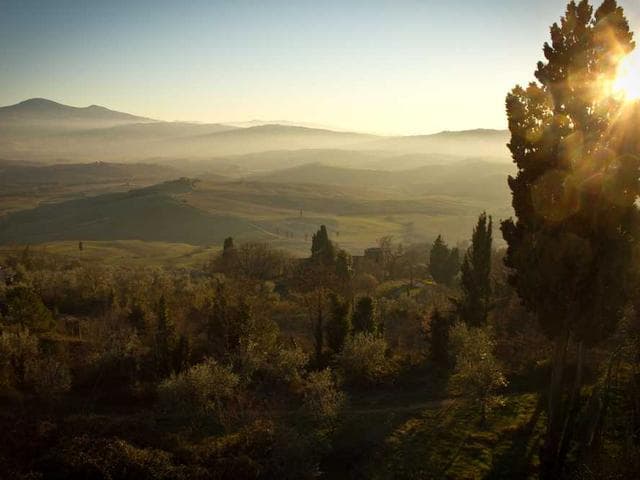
[(202, 390), (322, 400), (363, 360), (25, 368), (477, 373), (86, 457), (50, 377), (25, 308)]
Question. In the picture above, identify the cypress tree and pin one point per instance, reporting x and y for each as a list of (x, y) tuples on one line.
[(443, 262), (165, 339), (338, 324), (438, 338), (570, 247), (475, 275), (322, 249), (364, 316)]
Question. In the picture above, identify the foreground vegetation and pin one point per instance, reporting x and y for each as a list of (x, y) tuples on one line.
[(256, 364)]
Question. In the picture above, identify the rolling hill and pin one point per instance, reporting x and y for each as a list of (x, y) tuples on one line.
[(286, 214), (476, 179)]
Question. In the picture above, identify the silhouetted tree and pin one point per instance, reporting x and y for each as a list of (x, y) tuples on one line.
[(165, 339), (229, 322), (137, 319), (570, 247), (338, 324), (438, 338), (475, 275), (364, 316), (322, 249), (228, 258), (443, 262)]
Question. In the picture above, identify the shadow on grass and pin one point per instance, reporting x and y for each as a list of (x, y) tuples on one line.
[(517, 460)]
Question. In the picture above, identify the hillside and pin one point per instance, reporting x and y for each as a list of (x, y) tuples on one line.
[(286, 214), (472, 178), (15, 176), (143, 214)]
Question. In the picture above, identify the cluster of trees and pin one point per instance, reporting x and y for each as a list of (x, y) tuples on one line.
[(213, 351)]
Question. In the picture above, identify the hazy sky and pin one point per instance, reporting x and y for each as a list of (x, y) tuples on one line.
[(383, 66)]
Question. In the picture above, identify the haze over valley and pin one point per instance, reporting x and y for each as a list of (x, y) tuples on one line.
[(84, 173)]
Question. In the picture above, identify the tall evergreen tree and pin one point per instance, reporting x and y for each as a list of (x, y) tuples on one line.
[(137, 318), (438, 338), (229, 322), (165, 339), (364, 318), (444, 262), (229, 257), (338, 324), (322, 249), (573, 196), (475, 275)]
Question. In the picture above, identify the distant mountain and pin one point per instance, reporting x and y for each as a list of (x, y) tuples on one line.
[(259, 123), (47, 131), (467, 143), (265, 138), (41, 110)]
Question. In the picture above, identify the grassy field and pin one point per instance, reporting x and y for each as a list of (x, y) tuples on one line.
[(204, 213), (409, 436), (129, 252)]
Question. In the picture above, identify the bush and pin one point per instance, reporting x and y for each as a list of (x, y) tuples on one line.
[(363, 360), (322, 401), (24, 368), (85, 457), (25, 308), (261, 449), (50, 377), (203, 390), (280, 370), (477, 373)]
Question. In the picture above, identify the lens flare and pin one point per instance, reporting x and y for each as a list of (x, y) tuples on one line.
[(627, 82)]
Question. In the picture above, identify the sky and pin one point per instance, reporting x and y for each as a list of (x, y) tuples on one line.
[(390, 67)]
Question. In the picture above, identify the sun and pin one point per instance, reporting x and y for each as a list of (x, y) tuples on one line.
[(627, 82)]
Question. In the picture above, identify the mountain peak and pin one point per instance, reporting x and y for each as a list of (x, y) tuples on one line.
[(38, 102), (44, 109)]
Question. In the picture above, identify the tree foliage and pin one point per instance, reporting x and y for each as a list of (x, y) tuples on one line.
[(570, 247), (477, 372), (322, 248), (475, 278), (364, 316), (338, 325), (444, 262), (438, 338)]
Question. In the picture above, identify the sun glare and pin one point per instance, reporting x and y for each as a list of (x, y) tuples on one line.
[(627, 82)]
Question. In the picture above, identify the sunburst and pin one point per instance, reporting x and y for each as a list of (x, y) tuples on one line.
[(627, 81)]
